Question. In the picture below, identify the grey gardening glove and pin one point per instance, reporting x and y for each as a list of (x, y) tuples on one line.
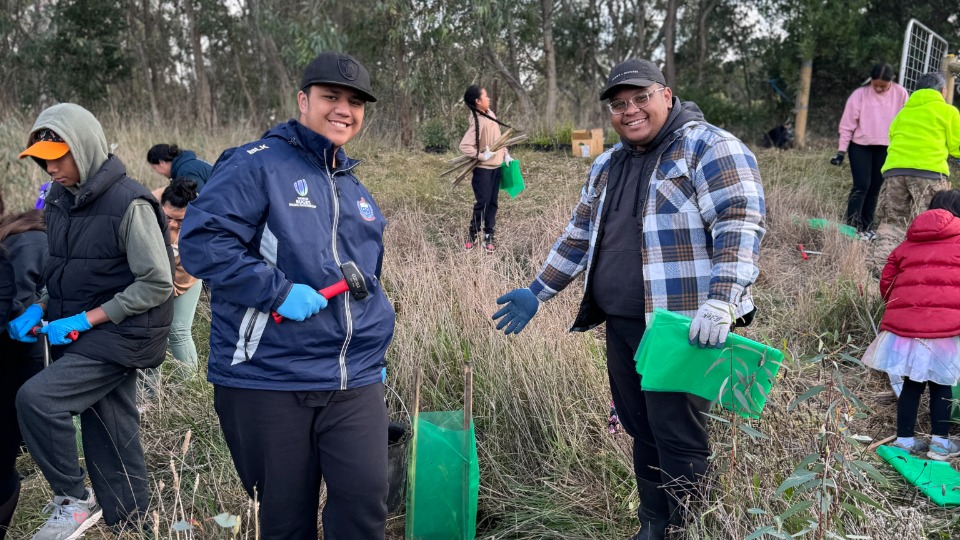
[(711, 325)]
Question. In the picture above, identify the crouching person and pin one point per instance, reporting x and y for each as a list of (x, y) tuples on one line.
[(109, 278)]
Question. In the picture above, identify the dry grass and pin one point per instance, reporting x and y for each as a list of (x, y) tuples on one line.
[(549, 469)]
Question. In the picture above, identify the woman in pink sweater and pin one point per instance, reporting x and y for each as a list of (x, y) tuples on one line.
[(483, 132), (864, 133)]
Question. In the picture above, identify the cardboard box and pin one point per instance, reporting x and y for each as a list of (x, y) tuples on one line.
[(587, 143)]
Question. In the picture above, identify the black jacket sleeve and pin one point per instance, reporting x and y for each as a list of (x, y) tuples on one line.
[(8, 289), (28, 253)]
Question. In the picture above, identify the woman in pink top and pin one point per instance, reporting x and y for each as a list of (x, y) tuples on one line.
[(864, 133), (483, 132)]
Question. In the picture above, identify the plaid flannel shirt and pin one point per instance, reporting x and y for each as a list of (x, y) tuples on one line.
[(703, 219)]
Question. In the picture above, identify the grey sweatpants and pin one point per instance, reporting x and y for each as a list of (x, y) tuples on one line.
[(104, 395)]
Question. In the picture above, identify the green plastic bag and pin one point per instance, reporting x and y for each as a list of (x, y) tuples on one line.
[(935, 479), (739, 376), (511, 180), (823, 224), (444, 479)]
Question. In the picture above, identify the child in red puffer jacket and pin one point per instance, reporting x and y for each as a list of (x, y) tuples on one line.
[(920, 330)]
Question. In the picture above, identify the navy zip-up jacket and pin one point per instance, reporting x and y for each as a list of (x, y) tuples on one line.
[(273, 214), (188, 165)]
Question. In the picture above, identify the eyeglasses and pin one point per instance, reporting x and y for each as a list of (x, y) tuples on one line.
[(620, 106)]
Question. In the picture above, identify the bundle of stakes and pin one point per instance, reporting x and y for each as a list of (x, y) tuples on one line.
[(464, 165)]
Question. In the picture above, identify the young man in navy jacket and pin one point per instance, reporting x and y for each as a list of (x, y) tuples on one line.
[(302, 399)]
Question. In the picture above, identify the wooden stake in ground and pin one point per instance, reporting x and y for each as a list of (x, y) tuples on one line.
[(881, 442), (467, 440), (412, 470)]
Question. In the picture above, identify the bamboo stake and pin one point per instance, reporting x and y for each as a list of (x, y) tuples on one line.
[(881, 442), (412, 472), (457, 167), (503, 141), (467, 418), (498, 144), (464, 174), (462, 158)]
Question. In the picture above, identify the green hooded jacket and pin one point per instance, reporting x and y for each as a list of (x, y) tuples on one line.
[(923, 133)]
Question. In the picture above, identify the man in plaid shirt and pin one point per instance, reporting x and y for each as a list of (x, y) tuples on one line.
[(670, 217)]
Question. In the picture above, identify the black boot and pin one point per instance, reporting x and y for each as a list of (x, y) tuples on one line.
[(654, 511), (681, 497), (7, 507)]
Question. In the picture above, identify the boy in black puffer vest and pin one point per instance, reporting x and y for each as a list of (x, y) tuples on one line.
[(109, 300)]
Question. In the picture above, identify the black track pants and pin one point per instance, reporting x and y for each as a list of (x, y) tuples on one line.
[(283, 443), (670, 441)]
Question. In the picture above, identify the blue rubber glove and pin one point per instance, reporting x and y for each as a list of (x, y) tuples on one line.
[(302, 302), (58, 330), (521, 306), (19, 328)]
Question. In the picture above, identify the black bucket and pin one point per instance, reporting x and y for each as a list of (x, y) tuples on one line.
[(397, 439)]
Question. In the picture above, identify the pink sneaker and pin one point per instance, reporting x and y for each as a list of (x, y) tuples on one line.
[(488, 243)]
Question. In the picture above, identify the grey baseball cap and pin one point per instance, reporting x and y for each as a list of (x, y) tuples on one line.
[(338, 69), (632, 72)]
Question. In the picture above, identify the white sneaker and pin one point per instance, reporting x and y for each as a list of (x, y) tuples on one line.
[(919, 447), (69, 517), (941, 453)]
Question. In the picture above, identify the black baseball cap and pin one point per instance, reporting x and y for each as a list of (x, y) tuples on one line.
[(632, 72), (338, 69)]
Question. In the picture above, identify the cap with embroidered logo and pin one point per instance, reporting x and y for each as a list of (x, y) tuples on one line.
[(633, 72), (47, 145), (338, 69)]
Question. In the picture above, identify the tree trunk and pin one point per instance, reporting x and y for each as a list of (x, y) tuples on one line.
[(670, 41), (703, 36), (512, 50), (145, 57), (404, 105), (251, 103), (550, 55), (279, 85), (640, 21), (803, 103), (526, 103), (203, 89)]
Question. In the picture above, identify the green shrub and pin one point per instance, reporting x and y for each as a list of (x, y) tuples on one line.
[(435, 135), (747, 122), (558, 139), (611, 136)]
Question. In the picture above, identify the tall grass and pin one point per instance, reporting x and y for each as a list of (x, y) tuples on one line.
[(549, 468)]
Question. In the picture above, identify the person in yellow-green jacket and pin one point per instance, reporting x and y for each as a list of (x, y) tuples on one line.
[(922, 137)]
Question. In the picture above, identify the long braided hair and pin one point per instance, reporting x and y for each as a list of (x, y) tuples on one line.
[(470, 98)]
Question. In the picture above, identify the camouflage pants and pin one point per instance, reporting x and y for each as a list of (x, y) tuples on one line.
[(902, 198)]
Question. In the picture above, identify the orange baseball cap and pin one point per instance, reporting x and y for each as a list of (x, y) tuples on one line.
[(48, 145)]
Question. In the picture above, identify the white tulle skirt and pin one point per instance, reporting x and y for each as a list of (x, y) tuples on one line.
[(919, 359)]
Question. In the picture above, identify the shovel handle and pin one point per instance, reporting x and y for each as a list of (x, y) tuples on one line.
[(73, 335), (339, 287)]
